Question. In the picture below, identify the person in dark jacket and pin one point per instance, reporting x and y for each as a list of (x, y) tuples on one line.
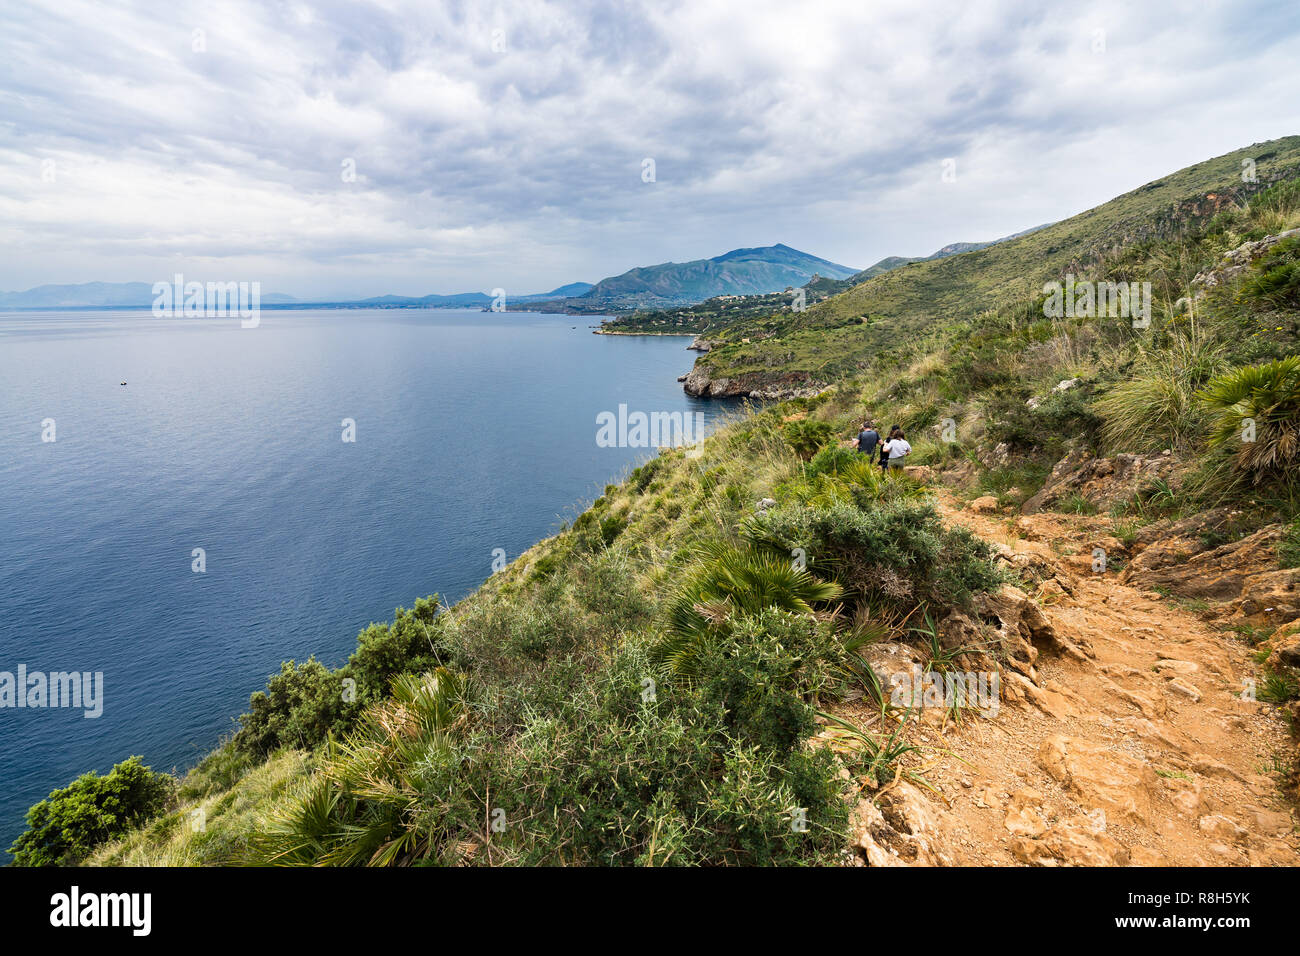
[(868, 439)]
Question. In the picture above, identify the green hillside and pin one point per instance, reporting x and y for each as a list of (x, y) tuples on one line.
[(845, 334)]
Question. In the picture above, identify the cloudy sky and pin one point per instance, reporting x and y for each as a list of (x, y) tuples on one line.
[(350, 149)]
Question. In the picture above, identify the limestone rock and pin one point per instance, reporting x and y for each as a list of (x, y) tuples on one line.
[(1110, 780)]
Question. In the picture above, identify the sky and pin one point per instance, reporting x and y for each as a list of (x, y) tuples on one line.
[(342, 150)]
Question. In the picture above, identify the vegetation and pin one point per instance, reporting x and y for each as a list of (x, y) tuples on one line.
[(63, 828)]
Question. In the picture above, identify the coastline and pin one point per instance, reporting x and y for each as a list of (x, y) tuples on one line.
[(610, 332)]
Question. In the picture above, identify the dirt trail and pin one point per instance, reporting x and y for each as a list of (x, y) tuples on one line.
[(1121, 740)]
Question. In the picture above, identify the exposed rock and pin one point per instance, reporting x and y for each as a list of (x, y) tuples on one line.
[(984, 505), (1103, 481), (1285, 646), (1024, 814), (1234, 263), (921, 473), (1073, 842), (700, 384), (1244, 572), (1102, 778), (897, 666), (1222, 828), (1021, 627), (906, 830), (1184, 689)]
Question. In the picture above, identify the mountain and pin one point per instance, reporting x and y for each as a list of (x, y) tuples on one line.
[(705, 318), (753, 271), (139, 295), (571, 290), (469, 300), (97, 295), (461, 300)]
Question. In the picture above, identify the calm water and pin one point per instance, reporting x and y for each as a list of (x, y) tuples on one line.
[(474, 431)]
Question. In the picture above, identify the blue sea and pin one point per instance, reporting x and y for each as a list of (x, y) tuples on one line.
[(474, 431)]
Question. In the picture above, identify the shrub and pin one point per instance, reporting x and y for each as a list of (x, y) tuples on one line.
[(1275, 276), (805, 437), (63, 828), (305, 702), (731, 582), (711, 772), (1288, 547), (412, 643), (299, 707), (1258, 409), (375, 800), (900, 550)]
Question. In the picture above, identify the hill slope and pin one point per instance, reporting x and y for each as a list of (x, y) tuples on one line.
[(789, 354)]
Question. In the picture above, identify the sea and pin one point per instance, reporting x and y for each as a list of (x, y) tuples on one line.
[(187, 502)]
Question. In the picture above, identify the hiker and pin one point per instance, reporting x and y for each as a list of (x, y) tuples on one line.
[(868, 439), (898, 447), (884, 448)]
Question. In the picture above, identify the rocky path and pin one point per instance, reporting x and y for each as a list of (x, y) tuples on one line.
[(1123, 737)]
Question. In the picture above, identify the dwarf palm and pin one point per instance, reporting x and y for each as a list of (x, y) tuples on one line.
[(368, 804), (733, 581), (1258, 409)]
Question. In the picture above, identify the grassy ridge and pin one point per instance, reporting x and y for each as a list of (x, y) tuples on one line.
[(845, 334)]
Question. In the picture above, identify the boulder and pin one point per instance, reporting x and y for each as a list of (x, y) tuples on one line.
[(1103, 481)]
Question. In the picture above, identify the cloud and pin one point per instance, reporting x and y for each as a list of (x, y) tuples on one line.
[(502, 145)]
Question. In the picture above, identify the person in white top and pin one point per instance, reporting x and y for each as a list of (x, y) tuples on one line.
[(898, 448)]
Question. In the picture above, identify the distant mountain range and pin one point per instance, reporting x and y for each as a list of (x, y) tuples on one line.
[(97, 295), (470, 300), (738, 272), (139, 295)]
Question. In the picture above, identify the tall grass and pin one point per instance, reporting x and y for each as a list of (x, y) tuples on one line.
[(1155, 406)]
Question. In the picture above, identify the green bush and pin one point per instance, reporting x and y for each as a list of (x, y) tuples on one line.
[(412, 643), (900, 550), (1275, 276), (305, 702), (299, 708), (598, 769), (63, 828), (1154, 405), (711, 772), (1258, 419)]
